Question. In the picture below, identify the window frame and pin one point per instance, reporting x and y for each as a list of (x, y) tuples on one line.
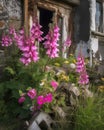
[(101, 24), (59, 9)]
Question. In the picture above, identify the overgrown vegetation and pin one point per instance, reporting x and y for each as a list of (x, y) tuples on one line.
[(55, 85), (84, 112)]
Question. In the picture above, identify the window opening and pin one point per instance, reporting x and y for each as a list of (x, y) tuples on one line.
[(45, 18), (99, 17)]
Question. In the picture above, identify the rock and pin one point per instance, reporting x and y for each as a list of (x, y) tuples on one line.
[(3, 16), (101, 69), (40, 122), (1, 8), (2, 24), (34, 126), (75, 90), (60, 111), (87, 93), (73, 100)]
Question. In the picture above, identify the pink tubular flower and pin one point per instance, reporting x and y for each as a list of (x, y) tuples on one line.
[(30, 52), (48, 98), (6, 41), (27, 47), (67, 43), (51, 42), (20, 39), (40, 100), (32, 93), (35, 31), (54, 84), (84, 78), (21, 100), (80, 64)]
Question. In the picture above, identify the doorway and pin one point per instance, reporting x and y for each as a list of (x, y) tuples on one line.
[(45, 18)]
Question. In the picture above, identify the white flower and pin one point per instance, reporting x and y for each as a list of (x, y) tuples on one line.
[(72, 66), (42, 83)]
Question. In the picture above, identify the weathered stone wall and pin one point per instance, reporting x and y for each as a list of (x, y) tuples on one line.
[(3, 17), (11, 14)]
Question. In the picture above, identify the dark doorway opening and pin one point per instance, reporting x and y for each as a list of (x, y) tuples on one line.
[(45, 17)]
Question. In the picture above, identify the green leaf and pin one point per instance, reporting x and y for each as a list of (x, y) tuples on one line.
[(20, 92), (29, 88), (10, 70)]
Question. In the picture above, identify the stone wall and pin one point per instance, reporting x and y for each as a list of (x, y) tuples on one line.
[(3, 17), (11, 14)]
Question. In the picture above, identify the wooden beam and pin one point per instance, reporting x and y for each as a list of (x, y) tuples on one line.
[(26, 16), (98, 33), (73, 2)]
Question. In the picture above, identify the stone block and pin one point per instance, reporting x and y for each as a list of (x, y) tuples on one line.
[(3, 15), (1, 9), (2, 24), (15, 23), (41, 122), (101, 69), (34, 126)]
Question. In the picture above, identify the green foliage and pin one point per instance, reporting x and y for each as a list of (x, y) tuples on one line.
[(18, 79), (12, 124), (8, 99), (90, 115)]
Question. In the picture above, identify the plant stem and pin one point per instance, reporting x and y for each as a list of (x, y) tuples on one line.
[(46, 64)]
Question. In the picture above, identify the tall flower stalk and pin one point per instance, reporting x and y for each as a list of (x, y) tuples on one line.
[(6, 41), (35, 31), (83, 78), (51, 43), (27, 45), (81, 69), (80, 64)]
